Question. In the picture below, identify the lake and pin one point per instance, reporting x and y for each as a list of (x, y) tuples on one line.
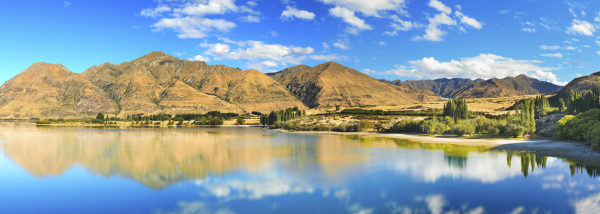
[(252, 170)]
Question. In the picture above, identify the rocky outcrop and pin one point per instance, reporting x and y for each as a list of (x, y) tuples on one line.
[(545, 125)]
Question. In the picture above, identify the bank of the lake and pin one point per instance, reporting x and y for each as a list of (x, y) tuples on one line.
[(578, 151)]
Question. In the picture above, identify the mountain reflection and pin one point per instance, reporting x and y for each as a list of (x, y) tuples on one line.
[(161, 157)]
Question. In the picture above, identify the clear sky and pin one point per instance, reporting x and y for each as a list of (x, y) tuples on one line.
[(393, 39)]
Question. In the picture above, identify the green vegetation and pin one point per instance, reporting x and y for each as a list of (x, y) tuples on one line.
[(583, 126), (281, 115), (455, 121), (240, 121), (581, 102), (456, 109)]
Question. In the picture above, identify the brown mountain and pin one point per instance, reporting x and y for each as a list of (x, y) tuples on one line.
[(48, 90), (581, 84), (466, 88), (332, 84), (160, 82)]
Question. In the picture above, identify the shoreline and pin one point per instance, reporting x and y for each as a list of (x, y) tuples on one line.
[(574, 150), (578, 151)]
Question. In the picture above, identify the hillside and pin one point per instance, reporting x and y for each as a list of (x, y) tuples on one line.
[(332, 84), (466, 88), (159, 82), (48, 90), (581, 84)]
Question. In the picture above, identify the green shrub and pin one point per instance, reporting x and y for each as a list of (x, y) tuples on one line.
[(240, 121)]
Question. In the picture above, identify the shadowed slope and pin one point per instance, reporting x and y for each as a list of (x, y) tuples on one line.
[(332, 84)]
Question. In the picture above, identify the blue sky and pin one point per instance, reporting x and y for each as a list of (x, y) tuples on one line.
[(393, 39)]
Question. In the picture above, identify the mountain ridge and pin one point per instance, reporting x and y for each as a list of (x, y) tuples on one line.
[(480, 88)]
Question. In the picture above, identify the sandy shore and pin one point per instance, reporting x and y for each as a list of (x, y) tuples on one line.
[(578, 151)]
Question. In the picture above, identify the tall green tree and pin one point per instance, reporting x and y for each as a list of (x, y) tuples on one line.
[(561, 105)]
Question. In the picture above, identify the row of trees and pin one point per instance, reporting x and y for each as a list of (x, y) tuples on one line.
[(281, 115), (579, 102), (456, 109), (455, 120)]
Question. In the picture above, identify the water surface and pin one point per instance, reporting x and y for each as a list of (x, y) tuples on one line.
[(252, 170)]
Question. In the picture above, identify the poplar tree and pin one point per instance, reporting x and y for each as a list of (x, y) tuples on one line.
[(561, 105)]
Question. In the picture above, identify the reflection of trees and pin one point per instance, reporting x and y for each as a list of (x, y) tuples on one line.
[(457, 162), (576, 168), (531, 161), (449, 149)]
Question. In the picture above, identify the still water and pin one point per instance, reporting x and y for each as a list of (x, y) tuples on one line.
[(251, 170)]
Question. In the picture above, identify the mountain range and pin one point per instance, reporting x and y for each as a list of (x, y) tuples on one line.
[(480, 88), (160, 83)]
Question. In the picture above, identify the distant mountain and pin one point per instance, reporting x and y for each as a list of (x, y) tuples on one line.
[(479, 88), (48, 90), (581, 84), (332, 84), (160, 82)]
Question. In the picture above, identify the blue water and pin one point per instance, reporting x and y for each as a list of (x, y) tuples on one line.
[(252, 170)]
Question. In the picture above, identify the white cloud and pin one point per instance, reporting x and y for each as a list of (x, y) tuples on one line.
[(349, 17), (218, 50), (436, 203), (199, 58), (192, 26), (590, 204), (263, 55), (189, 20), (503, 11), (581, 27), (327, 57), (325, 45), (529, 30), (518, 210), (528, 23), (371, 7), (572, 12), (576, 40), (341, 44), (458, 7), (469, 21), (483, 66), (155, 12), (440, 6), (545, 47), (400, 25), (249, 18), (382, 43), (555, 55), (571, 48), (251, 3), (433, 31), (66, 3), (598, 52), (291, 12), (202, 8)]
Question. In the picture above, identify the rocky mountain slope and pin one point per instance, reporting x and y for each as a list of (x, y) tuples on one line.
[(160, 82), (466, 88), (332, 84), (48, 90), (581, 84)]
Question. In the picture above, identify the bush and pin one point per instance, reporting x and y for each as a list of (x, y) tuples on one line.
[(463, 127), (578, 127), (494, 131), (406, 125), (43, 122), (365, 124), (240, 121)]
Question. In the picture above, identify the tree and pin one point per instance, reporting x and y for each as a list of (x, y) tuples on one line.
[(100, 116), (240, 121), (561, 105)]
